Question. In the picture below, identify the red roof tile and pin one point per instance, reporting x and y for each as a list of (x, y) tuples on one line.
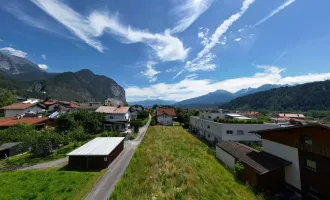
[(26, 120), (18, 106), (113, 109), (167, 111), (261, 162), (48, 103)]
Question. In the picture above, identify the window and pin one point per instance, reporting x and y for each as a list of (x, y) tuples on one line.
[(310, 164), (208, 126), (240, 132), (209, 117), (229, 132), (307, 140), (208, 135)]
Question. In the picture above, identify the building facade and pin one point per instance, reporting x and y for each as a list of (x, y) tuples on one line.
[(165, 116), (308, 148), (215, 131), (117, 118)]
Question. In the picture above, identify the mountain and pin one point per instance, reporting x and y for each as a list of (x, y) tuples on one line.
[(15, 66), (308, 96), (26, 79), (249, 90), (151, 102), (219, 97), (83, 85)]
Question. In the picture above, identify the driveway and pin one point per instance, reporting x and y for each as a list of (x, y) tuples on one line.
[(104, 187), (50, 164)]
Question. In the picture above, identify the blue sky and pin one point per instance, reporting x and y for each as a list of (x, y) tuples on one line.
[(173, 49)]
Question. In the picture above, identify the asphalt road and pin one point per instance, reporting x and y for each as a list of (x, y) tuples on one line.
[(105, 186)]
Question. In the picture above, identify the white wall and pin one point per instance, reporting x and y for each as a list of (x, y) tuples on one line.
[(165, 120), (226, 158), (292, 172), (114, 117), (12, 113), (246, 129)]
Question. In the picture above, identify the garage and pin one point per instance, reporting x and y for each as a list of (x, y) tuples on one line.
[(98, 153)]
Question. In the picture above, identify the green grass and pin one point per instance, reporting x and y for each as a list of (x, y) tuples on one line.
[(30, 159), (172, 164), (46, 184)]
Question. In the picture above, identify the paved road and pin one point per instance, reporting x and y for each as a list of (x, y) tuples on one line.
[(50, 164), (103, 189)]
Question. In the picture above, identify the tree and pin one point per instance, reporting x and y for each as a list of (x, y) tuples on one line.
[(154, 107), (77, 135), (143, 114), (43, 142), (6, 97)]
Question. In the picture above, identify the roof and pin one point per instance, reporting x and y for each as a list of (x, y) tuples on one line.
[(282, 119), (18, 106), (26, 120), (8, 145), (242, 118), (233, 115), (291, 115), (91, 106), (100, 146), (167, 111), (113, 109), (327, 126), (48, 103), (261, 162)]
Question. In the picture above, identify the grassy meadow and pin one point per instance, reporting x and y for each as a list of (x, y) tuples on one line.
[(46, 184), (172, 164)]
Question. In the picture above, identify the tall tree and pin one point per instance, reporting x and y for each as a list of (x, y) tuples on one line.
[(6, 97)]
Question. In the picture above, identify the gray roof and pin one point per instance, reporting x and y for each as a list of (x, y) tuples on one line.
[(9, 145), (326, 126), (100, 146)]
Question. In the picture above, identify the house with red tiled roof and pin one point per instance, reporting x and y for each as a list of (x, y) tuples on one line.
[(41, 122), (21, 108), (165, 116), (117, 117)]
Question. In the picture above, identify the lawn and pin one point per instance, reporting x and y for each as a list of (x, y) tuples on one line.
[(172, 164), (30, 159), (46, 184)]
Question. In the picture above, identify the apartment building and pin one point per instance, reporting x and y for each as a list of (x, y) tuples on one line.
[(214, 132)]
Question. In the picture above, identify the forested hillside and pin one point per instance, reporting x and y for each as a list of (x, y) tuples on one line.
[(309, 96)]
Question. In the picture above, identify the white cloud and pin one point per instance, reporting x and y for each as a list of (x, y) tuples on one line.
[(202, 64), (89, 29), (187, 12), (43, 66), (14, 52), (44, 57), (237, 39), (203, 35), (171, 70), (1, 40), (191, 76), (199, 60), (214, 39), (189, 88), (274, 12), (150, 72)]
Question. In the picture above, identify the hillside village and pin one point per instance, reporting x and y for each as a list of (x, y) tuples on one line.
[(278, 155)]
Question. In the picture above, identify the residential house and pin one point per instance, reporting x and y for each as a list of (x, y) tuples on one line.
[(117, 117), (215, 131), (135, 109), (307, 147), (20, 108), (90, 106), (50, 105), (39, 122), (165, 116), (295, 116), (261, 170), (66, 106)]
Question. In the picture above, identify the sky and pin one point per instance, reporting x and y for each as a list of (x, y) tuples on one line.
[(173, 49)]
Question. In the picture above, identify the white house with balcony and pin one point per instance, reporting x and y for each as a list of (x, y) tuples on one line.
[(216, 132), (117, 117), (20, 108)]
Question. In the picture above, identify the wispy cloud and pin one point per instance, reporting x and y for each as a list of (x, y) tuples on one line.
[(150, 72), (203, 35), (237, 39), (14, 52), (187, 12), (215, 39), (1, 40), (191, 76), (189, 88), (43, 66), (44, 57), (90, 28), (171, 70), (274, 12), (279, 57)]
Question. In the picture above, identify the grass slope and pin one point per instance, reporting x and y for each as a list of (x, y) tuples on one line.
[(172, 164), (46, 184)]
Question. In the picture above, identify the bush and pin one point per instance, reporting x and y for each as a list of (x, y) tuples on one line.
[(153, 122), (239, 171), (143, 114)]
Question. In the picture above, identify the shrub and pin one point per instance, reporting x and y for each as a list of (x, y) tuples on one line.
[(239, 171)]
